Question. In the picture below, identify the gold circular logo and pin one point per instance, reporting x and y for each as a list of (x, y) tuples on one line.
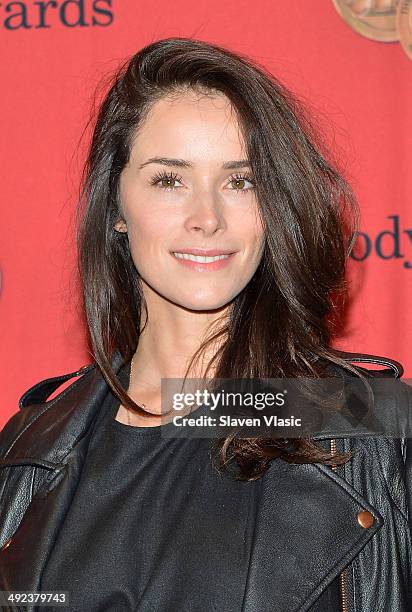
[(375, 19), (404, 18)]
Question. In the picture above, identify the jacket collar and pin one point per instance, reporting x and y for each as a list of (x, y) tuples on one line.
[(62, 421), (65, 419)]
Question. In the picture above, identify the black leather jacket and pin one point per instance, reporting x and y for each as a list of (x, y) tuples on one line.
[(348, 545)]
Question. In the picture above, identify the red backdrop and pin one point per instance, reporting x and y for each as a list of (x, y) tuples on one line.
[(51, 64)]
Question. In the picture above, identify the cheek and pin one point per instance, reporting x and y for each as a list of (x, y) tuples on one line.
[(251, 231), (147, 228), (144, 210)]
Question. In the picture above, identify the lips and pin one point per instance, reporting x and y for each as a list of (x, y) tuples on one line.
[(204, 252), (201, 262)]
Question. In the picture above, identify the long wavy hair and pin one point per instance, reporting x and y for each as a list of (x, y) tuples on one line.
[(281, 324)]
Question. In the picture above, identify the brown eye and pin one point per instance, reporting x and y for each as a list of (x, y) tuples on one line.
[(239, 182), (166, 180)]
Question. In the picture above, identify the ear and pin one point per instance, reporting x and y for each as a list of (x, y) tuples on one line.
[(120, 226)]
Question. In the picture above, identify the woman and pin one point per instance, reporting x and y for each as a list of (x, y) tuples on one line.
[(198, 154)]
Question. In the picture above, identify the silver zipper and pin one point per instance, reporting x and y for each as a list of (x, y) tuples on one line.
[(343, 577)]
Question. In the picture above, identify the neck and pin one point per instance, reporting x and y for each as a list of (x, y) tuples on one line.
[(168, 343)]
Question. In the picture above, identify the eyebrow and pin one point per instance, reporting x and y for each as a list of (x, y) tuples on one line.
[(182, 163)]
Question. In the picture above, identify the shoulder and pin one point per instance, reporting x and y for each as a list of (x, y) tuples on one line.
[(389, 389), (376, 402), (34, 402), (386, 379)]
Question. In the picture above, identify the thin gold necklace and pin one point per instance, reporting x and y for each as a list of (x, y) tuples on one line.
[(143, 406)]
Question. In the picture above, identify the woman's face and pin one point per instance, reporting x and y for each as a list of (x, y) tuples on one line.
[(188, 189)]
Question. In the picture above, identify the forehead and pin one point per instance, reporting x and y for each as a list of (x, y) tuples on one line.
[(190, 124)]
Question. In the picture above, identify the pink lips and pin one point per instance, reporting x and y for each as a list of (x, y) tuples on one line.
[(219, 264), (207, 252)]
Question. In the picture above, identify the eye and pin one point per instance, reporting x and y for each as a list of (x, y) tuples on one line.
[(239, 181), (164, 180)]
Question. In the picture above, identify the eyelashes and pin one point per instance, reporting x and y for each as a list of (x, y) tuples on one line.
[(157, 179), (165, 176)]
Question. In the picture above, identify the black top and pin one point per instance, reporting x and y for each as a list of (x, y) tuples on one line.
[(153, 526)]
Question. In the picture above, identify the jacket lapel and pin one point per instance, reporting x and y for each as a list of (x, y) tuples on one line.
[(307, 531)]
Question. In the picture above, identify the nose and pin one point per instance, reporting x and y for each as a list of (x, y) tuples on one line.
[(205, 214)]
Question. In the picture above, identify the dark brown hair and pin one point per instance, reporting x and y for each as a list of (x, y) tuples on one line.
[(281, 324)]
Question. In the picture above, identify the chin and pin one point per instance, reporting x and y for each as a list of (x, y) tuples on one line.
[(203, 304)]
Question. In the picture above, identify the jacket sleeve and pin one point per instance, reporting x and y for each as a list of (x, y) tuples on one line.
[(13, 427), (408, 477), (408, 464)]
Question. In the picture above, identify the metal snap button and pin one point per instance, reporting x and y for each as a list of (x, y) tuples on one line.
[(365, 519), (7, 544)]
